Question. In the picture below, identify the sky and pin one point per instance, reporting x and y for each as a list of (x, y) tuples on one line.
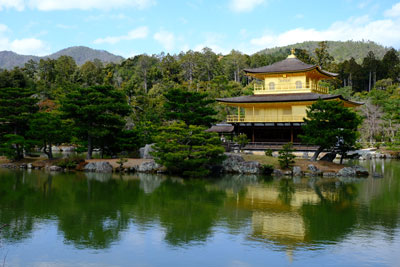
[(132, 27)]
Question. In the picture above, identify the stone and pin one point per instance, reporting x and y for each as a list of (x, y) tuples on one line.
[(148, 166), (145, 152), (23, 166), (329, 174), (8, 166), (29, 166), (98, 166), (305, 155), (277, 172), (55, 169), (287, 173), (353, 171), (67, 148), (312, 168), (297, 171), (231, 162), (249, 167)]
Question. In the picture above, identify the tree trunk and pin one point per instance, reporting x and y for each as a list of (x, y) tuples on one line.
[(316, 154), (369, 81), (341, 158), (50, 155), (90, 148)]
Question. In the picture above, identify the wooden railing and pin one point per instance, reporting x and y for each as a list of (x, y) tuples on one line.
[(289, 88), (282, 118)]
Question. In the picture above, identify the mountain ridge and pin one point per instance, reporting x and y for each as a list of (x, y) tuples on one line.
[(81, 54)]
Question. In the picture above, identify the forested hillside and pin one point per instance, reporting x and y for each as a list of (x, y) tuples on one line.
[(339, 50)]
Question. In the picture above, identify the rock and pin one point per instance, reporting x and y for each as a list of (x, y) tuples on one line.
[(305, 155), (277, 172), (55, 149), (145, 152), (99, 166), (249, 167), (8, 166), (312, 168), (297, 171), (353, 171), (148, 166), (55, 169), (329, 157), (329, 174), (67, 148), (287, 173), (23, 166), (231, 162)]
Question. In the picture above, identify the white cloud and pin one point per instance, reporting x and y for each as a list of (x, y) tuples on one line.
[(394, 11), (166, 39), (3, 28), (245, 5), (138, 33), (16, 4), (26, 46), (49, 5), (385, 31)]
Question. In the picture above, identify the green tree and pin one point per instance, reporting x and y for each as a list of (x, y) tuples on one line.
[(323, 57), (16, 108), (187, 149), (242, 140), (48, 129), (96, 112), (191, 107), (327, 124), (286, 157)]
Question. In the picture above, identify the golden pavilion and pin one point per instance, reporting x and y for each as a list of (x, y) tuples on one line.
[(275, 112)]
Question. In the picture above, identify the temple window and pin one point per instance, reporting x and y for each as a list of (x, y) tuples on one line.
[(298, 85), (271, 86)]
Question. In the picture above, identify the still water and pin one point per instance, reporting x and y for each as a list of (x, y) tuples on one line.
[(78, 219)]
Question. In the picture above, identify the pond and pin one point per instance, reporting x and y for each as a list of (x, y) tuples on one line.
[(81, 219)]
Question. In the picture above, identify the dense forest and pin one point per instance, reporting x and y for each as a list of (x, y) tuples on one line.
[(48, 102)]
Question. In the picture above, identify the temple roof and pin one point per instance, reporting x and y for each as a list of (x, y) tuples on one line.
[(290, 64), (221, 128), (274, 98)]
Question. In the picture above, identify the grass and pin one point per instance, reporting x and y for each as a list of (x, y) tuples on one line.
[(302, 163)]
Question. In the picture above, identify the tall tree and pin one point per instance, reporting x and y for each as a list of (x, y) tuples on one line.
[(96, 111), (322, 55), (328, 124), (190, 107), (16, 108)]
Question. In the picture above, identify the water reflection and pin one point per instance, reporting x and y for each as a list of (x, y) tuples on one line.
[(97, 211)]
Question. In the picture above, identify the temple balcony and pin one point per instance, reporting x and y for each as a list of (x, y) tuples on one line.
[(255, 118), (289, 88)]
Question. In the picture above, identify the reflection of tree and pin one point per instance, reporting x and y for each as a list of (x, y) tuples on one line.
[(93, 212), (334, 216), (286, 191)]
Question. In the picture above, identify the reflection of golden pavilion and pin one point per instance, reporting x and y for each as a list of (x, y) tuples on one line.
[(275, 111), (272, 218)]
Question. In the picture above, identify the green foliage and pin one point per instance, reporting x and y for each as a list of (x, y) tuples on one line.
[(97, 113), (267, 169), (187, 149), (191, 107), (329, 124), (48, 129), (13, 146), (268, 152), (242, 140), (70, 162), (286, 157)]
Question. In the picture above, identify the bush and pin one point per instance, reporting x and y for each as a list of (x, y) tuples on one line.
[(286, 156), (241, 140), (267, 169), (268, 152), (70, 162)]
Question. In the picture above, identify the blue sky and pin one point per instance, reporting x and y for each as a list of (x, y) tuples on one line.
[(131, 27)]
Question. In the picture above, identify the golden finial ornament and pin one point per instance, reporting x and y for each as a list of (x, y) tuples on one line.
[(292, 53)]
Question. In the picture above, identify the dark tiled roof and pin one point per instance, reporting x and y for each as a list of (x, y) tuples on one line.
[(226, 128), (288, 65), (281, 98)]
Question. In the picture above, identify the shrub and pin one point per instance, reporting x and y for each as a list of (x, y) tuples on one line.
[(286, 156), (267, 169), (268, 152)]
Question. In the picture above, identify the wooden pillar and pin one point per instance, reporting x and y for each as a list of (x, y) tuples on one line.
[(238, 114), (291, 133), (252, 135)]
